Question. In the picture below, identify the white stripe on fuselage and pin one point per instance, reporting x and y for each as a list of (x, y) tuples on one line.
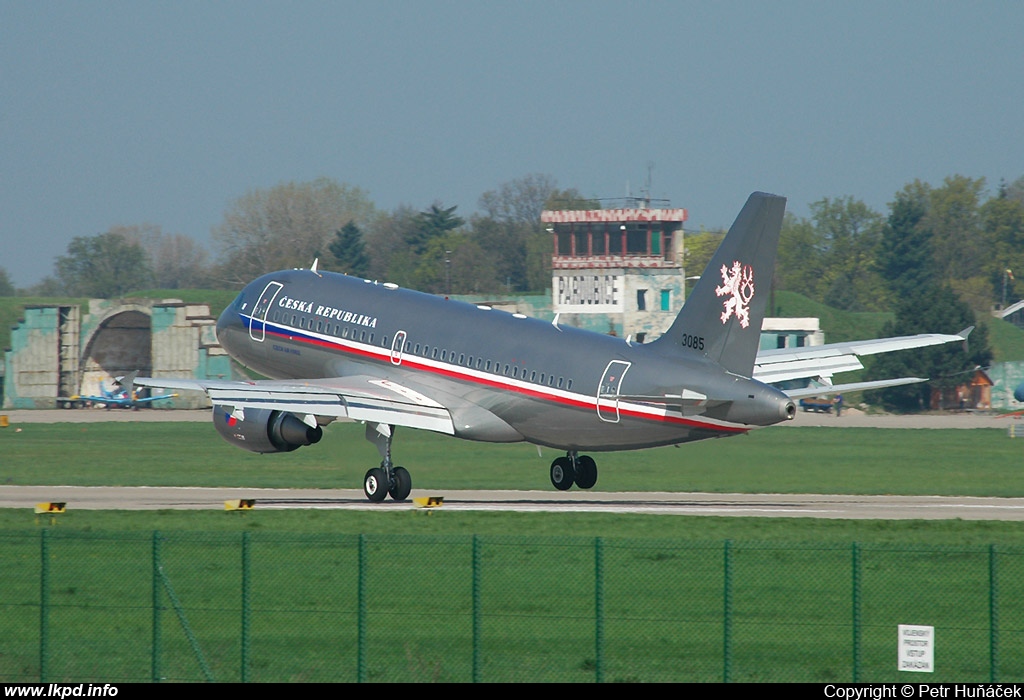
[(489, 379)]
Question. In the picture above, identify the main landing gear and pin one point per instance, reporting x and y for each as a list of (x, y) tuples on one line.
[(573, 468), (386, 479)]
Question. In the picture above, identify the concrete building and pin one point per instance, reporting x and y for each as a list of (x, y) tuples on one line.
[(62, 351), (617, 271)]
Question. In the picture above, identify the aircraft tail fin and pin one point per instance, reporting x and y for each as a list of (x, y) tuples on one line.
[(722, 316)]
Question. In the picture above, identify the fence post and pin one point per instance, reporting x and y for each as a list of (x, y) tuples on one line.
[(599, 608), (727, 612), (855, 611), (246, 593), (993, 614), (476, 610), (361, 623), (157, 633), (44, 603)]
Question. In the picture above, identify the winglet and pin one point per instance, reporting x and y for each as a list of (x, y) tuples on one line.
[(964, 333)]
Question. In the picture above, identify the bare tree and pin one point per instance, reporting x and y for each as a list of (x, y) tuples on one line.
[(177, 260), (286, 226)]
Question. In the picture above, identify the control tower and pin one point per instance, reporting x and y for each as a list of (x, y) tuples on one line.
[(618, 270)]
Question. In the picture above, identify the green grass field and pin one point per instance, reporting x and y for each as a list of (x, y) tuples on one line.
[(418, 595)]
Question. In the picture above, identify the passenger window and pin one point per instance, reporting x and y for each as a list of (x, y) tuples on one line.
[(462, 358), (560, 382), (533, 376), (319, 326)]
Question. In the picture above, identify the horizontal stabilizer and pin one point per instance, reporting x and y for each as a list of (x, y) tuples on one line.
[(785, 364), (831, 389)]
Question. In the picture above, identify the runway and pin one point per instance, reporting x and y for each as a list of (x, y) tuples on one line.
[(575, 501), (655, 503)]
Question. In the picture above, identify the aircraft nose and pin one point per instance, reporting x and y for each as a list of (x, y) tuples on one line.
[(230, 317)]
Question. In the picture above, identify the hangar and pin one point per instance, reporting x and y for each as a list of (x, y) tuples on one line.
[(78, 349)]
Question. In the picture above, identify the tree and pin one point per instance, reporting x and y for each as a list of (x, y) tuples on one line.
[(1003, 221), (925, 303), (6, 288), (106, 266), (349, 251), (433, 223), (960, 243), (1015, 190), (800, 264), (934, 308), (831, 258), (905, 257), (386, 235), (510, 230), (698, 249), (177, 261), (851, 233), (286, 226)]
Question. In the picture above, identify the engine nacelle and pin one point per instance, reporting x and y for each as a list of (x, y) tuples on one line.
[(264, 430)]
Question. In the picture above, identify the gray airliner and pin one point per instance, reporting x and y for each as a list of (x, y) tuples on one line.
[(344, 348)]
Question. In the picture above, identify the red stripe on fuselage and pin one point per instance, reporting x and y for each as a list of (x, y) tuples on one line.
[(384, 356)]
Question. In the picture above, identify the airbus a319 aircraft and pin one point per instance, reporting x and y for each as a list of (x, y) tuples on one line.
[(341, 347)]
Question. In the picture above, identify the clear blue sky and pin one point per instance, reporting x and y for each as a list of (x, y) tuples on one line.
[(121, 113)]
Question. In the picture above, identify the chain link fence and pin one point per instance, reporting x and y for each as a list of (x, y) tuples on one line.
[(275, 607)]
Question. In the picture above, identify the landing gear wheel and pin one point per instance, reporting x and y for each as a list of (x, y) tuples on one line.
[(586, 472), (401, 483), (375, 485), (562, 474)]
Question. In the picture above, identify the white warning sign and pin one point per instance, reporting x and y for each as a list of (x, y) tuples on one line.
[(916, 650)]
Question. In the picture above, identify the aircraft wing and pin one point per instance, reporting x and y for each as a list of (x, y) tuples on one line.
[(822, 361), (360, 398)]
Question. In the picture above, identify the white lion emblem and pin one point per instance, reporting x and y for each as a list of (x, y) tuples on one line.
[(738, 285)]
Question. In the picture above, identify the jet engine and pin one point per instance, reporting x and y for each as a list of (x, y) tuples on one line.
[(264, 431)]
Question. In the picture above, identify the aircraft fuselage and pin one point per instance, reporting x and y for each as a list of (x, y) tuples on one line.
[(504, 377)]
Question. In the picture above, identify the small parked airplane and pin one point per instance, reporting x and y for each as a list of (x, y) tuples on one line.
[(341, 347), (123, 395)]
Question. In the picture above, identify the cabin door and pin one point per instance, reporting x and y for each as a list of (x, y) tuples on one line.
[(608, 391), (398, 347), (258, 319)]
